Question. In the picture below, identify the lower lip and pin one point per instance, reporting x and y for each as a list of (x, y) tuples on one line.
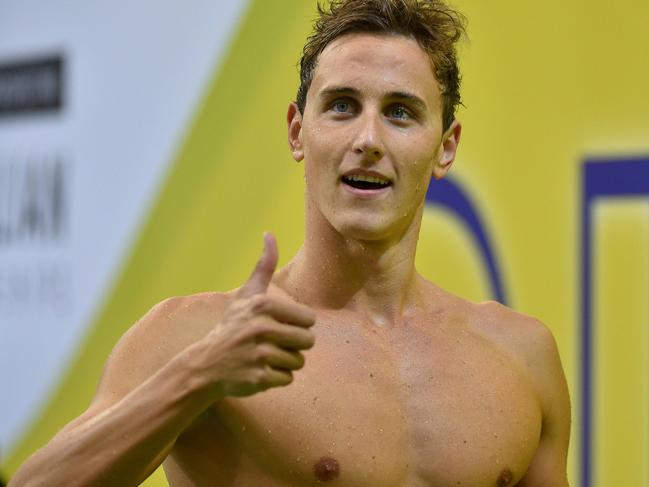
[(367, 193)]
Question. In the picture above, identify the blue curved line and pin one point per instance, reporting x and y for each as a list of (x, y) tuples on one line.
[(450, 195)]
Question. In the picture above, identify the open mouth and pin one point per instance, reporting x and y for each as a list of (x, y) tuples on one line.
[(366, 182)]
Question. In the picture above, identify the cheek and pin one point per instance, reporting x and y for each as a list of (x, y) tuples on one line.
[(312, 142), (418, 164), (324, 146)]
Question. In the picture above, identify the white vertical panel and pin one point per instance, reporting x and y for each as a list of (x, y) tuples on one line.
[(134, 75)]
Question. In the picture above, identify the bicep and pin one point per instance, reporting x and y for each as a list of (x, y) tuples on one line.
[(132, 361), (549, 464)]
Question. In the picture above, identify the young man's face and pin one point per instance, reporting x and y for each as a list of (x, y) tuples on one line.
[(374, 109)]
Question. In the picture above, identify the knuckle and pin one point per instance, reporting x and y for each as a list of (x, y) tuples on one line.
[(258, 377), (254, 326), (237, 306), (259, 303), (262, 353), (260, 331)]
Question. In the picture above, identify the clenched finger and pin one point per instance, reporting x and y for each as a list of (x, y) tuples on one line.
[(287, 336), (286, 311), (276, 377), (280, 358)]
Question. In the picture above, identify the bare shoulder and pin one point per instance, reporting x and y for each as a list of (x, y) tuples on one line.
[(146, 347), (516, 331), (505, 324), (523, 337), (530, 342), (165, 330), (532, 350)]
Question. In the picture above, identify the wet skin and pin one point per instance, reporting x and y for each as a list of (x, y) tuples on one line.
[(400, 383), (406, 385), (345, 367), (443, 398), (374, 104)]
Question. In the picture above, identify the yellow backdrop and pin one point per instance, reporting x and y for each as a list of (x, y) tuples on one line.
[(547, 85)]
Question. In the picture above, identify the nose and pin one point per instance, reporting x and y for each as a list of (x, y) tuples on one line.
[(368, 141)]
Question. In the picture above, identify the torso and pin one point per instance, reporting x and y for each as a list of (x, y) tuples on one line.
[(441, 399)]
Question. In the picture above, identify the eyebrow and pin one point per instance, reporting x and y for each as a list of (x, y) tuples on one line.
[(333, 91)]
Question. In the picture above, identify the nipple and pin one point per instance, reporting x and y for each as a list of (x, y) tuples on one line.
[(505, 478), (327, 468)]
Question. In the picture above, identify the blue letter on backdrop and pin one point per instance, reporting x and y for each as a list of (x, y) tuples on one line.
[(601, 179)]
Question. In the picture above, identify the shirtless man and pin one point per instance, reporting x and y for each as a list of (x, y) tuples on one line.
[(403, 383)]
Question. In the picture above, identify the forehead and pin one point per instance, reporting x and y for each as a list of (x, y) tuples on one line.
[(383, 62)]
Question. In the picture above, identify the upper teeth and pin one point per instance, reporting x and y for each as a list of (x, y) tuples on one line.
[(368, 179)]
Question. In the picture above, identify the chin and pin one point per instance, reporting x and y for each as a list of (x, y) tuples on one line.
[(364, 230), (380, 227)]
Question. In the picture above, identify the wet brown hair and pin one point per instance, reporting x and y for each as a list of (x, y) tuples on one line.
[(436, 26)]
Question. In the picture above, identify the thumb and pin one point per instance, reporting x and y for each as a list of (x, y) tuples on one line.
[(258, 281)]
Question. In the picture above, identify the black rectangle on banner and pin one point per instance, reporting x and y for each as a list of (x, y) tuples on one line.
[(30, 86)]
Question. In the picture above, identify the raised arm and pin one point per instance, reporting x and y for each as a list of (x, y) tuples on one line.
[(171, 366)]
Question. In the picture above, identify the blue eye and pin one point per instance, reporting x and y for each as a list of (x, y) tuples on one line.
[(399, 112), (340, 107)]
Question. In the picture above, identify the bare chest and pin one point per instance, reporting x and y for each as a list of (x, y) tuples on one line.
[(410, 409)]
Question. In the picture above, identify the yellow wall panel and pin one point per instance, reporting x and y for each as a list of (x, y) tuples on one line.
[(546, 85), (621, 343), (447, 256)]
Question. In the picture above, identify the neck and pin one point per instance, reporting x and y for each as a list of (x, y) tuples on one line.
[(376, 278)]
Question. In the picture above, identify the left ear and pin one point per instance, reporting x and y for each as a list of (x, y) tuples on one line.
[(448, 149)]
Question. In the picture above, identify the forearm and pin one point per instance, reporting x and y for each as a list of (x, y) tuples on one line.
[(119, 445)]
